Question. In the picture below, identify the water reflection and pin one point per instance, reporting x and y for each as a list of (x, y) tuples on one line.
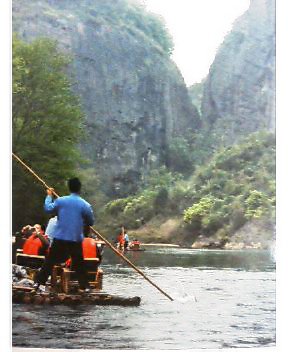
[(171, 257)]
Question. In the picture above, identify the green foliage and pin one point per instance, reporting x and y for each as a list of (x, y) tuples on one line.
[(186, 152), (117, 206), (46, 124), (91, 188), (141, 207), (207, 215), (180, 156), (161, 201), (150, 24), (257, 204), (197, 215), (238, 184), (201, 145), (162, 177), (136, 19), (196, 94), (131, 211), (237, 216), (198, 210), (132, 17)]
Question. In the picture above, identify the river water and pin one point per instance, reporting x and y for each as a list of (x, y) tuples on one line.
[(222, 299)]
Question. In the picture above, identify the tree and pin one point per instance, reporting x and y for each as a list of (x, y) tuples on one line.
[(180, 156), (161, 200), (46, 125)]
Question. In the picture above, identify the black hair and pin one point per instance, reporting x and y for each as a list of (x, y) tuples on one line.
[(74, 185)]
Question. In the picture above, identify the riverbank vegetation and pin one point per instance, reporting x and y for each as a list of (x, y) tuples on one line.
[(236, 186)]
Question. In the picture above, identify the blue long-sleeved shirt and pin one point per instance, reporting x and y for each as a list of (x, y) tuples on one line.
[(73, 212)]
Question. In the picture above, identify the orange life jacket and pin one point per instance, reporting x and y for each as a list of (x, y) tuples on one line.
[(121, 238), (32, 245), (89, 248)]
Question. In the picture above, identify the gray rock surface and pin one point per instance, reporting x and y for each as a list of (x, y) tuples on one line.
[(239, 93)]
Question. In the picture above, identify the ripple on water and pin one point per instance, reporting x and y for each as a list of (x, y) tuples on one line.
[(235, 306)]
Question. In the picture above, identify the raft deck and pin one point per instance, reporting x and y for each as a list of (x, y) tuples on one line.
[(28, 296)]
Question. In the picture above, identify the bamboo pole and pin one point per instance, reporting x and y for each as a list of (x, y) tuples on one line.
[(96, 232)]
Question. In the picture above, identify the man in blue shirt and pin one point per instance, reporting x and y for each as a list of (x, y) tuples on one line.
[(73, 213)]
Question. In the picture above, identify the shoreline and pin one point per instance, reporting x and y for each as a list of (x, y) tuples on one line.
[(160, 245), (228, 247)]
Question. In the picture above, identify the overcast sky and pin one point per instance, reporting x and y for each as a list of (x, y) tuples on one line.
[(198, 27)]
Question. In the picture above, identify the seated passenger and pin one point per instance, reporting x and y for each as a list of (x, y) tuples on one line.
[(51, 227), (90, 250), (37, 243)]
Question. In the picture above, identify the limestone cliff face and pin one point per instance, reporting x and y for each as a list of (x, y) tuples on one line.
[(133, 95), (239, 93)]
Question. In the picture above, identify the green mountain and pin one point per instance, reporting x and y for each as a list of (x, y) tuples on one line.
[(234, 189)]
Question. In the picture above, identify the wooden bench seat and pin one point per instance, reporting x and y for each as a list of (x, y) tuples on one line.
[(65, 279), (31, 261), (68, 279)]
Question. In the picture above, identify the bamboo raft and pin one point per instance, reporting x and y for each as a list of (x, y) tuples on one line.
[(27, 295), (63, 288)]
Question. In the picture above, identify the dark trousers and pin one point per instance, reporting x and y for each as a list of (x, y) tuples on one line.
[(59, 252)]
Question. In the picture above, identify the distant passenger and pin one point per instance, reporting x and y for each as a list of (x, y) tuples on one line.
[(126, 240), (121, 238), (135, 244)]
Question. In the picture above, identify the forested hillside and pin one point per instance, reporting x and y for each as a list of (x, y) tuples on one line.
[(236, 186)]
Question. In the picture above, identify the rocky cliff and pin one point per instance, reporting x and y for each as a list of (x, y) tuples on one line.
[(133, 95), (239, 93)]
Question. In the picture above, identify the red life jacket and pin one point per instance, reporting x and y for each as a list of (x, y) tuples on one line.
[(89, 248), (32, 245), (135, 244)]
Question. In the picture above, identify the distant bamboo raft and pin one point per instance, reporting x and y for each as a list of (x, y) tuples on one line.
[(160, 245)]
